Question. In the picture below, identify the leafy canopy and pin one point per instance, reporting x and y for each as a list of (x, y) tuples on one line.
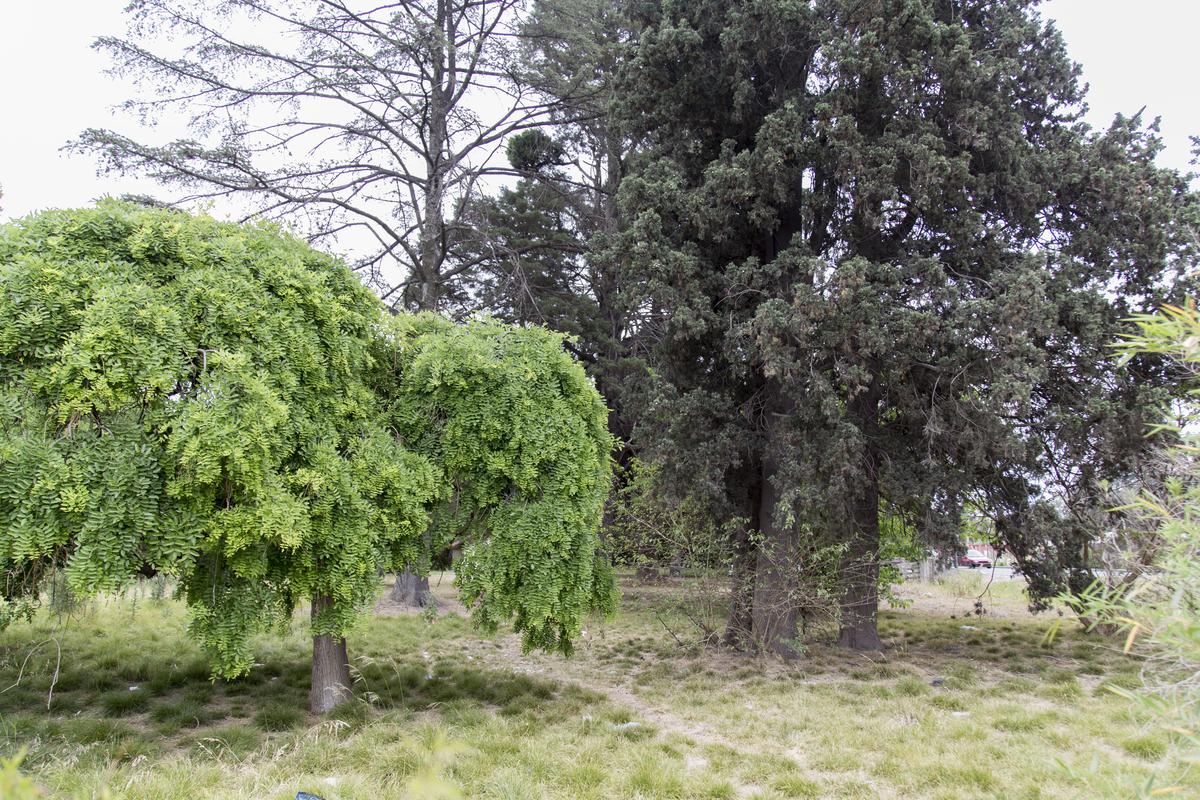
[(189, 397), (522, 437)]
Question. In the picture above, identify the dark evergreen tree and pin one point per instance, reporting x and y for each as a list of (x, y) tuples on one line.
[(534, 242), (880, 261)]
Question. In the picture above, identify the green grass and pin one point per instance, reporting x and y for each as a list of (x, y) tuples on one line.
[(946, 712)]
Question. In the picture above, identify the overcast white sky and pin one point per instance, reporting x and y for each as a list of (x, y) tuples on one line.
[(53, 85)]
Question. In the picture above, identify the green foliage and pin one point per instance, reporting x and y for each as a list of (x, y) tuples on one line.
[(530, 262), (193, 398), (876, 255), (898, 539), (184, 396), (1158, 615), (521, 434), (651, 527), (532, 151), (14, 785)]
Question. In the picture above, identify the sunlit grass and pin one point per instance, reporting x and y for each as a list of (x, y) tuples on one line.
[(992, 709)]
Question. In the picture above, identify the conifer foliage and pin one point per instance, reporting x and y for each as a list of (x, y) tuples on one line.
[(200, 399), (880, 260)]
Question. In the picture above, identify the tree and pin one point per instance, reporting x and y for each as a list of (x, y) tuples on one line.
[(339, 118), (203, 400), (537, 242), (373, 123), (532, 268), (520, 434), (880, 259), (378, 125)]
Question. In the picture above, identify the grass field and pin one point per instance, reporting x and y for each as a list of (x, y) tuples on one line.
[(958, 707)]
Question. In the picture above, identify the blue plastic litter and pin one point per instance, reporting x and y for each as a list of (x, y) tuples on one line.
[(306, 796)]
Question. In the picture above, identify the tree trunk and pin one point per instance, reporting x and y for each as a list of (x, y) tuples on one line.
[(331, 683), (431, 242), (739, 629), (860, 571), (412, 590), (775, 608)]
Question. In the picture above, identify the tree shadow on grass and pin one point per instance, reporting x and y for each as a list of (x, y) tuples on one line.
[(112, 712)]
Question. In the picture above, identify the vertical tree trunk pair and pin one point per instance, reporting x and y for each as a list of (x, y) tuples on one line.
[(765, 611), (766, 603)]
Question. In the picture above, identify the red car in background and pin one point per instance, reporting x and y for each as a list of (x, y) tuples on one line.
[(974, 559)]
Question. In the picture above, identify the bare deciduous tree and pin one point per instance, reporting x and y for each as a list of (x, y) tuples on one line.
[(375, 123)]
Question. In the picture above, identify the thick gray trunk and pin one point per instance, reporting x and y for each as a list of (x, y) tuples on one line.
[(412, 590), (860, 602), (331, 683), (776, 610)]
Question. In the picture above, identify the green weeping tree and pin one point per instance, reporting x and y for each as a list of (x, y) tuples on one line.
[(224, 405), (520, 437)]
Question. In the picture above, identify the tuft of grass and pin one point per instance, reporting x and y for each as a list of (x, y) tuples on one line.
[(910, 686), (233, 741), (122, 702), (278, 717), (173, 716), (1148, 747), (961, 675), (1020, 722), (656, 777), (796, 786), (89, 730)]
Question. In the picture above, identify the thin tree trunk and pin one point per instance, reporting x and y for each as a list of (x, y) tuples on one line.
[(410, 589), (331, 683), (432, 238)]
